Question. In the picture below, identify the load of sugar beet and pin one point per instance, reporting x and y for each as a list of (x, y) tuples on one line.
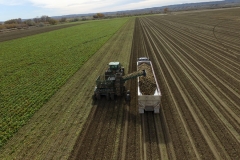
[(147, 84)]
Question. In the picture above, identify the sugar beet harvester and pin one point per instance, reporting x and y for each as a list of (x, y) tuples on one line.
[(112, 83)]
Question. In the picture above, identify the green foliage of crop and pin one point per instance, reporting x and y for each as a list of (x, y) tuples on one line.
[(33, 68)]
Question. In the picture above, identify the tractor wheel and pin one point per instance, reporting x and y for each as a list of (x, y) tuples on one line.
[(123, 89), (98, 96), (112, 96), (108, 97), (94, 97), (123, 73)]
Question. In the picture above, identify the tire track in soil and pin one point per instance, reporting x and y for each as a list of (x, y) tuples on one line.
[(145, 136), (132, 148), (207, 108), (150, 136), (162, 130), (223, 93), (168, 150), (123, 138), (101, 136), (124, 135), (97, 140), (137, 51), (153, 135), (176, 90), (180, 111), (211, 127), (88, 136), (205, 71), (106, 149), (117, 118), (185, 105), (97, 134)]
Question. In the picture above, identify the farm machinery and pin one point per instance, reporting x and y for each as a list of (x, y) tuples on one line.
[(112, 83), (149, 94)]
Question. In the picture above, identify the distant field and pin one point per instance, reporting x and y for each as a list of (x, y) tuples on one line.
[(14, 34), (33, 68)]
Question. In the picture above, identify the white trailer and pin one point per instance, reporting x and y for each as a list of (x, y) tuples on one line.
[(148, 102)]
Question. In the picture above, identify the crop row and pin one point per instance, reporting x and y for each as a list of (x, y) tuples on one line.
[(33, 68)]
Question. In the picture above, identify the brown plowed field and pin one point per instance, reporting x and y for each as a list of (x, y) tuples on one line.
[(196, 60)]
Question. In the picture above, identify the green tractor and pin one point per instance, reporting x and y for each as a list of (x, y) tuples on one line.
[(112, 84), (113, 68)]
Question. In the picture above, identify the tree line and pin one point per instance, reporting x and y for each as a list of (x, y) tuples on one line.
[(46, 20), (41, 21), (38, 21)]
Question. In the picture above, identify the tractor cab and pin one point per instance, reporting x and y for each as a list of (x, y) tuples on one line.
[(113, 68)]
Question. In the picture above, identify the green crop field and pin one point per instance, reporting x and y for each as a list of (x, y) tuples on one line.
[(33, 68)]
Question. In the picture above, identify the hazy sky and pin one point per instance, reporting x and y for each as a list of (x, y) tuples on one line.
[(11, 9)]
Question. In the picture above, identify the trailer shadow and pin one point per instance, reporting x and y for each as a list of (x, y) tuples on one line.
[(153, 128)]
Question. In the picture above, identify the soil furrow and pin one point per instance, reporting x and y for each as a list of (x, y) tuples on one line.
[(190, 73)]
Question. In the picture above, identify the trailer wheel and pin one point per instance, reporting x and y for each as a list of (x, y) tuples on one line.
[(141, 111), (128, 96)]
